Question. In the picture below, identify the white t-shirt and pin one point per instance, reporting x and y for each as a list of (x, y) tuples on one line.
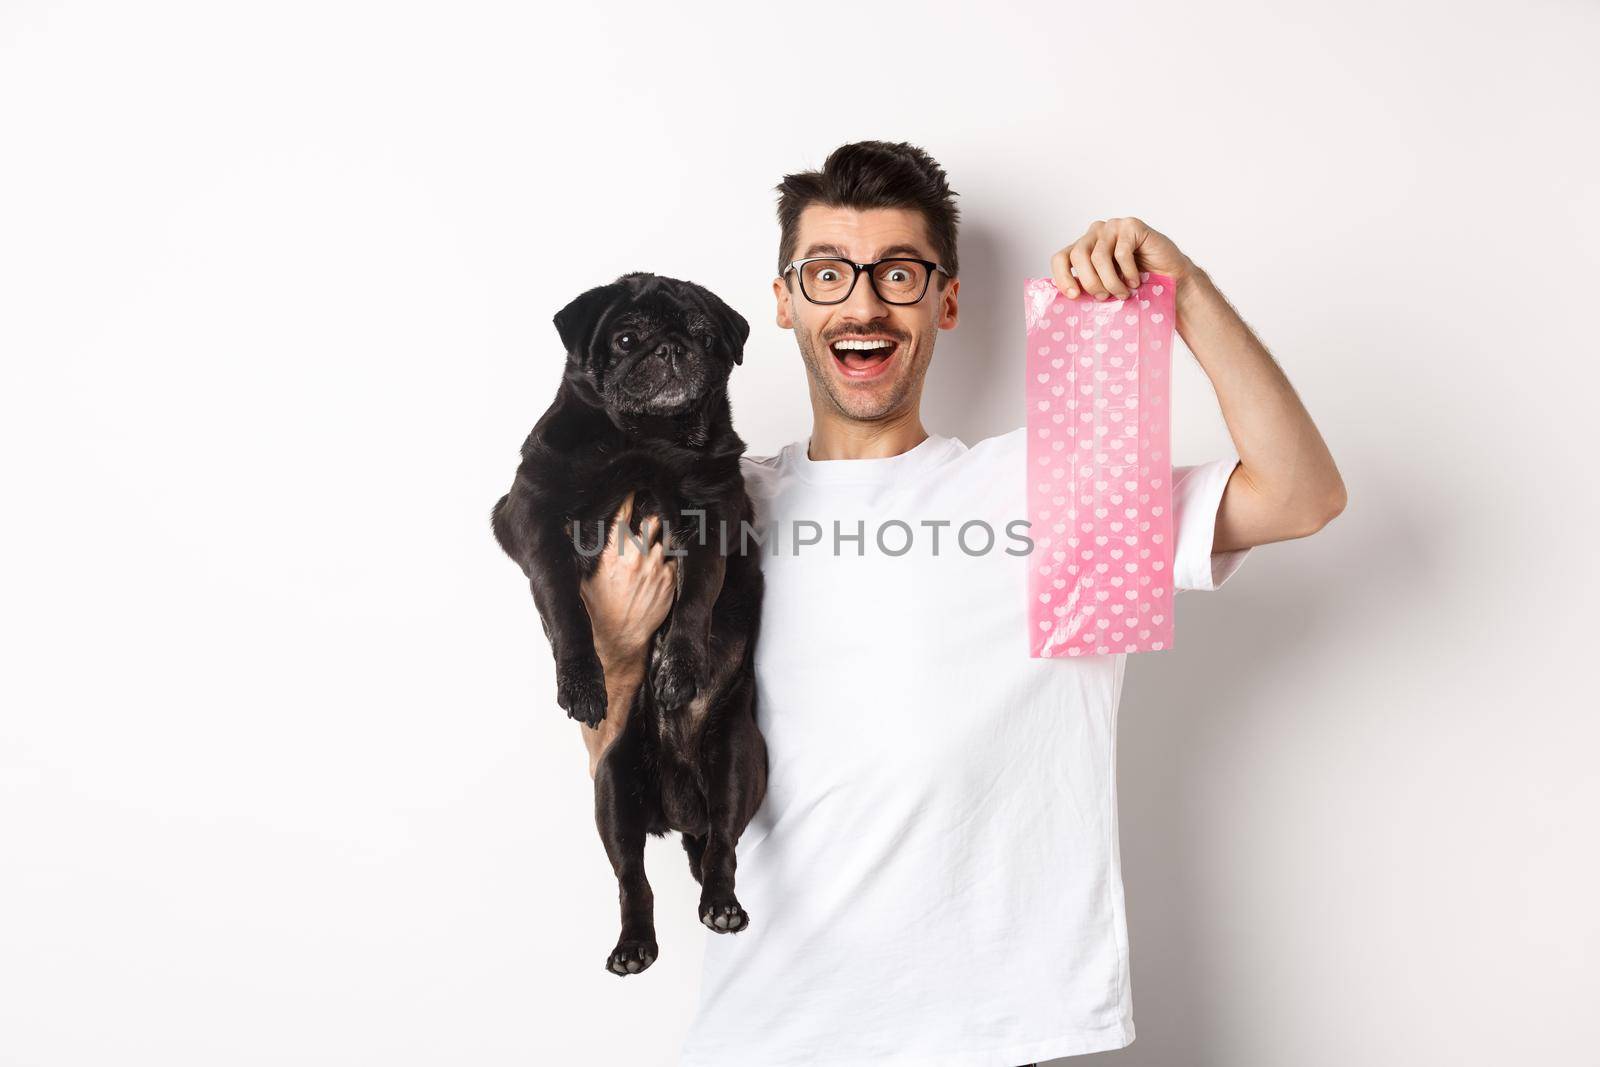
[(933, 878)]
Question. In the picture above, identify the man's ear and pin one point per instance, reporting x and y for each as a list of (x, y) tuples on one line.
[(575, 322)]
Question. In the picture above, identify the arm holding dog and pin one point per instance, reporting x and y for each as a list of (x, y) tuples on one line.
[(628, 596)]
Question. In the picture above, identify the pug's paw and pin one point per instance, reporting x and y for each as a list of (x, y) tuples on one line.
[(724, 915), (631, 957), (680, 675), (581, 688)]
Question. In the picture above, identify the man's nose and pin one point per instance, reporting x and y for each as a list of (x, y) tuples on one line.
[(863, 300)]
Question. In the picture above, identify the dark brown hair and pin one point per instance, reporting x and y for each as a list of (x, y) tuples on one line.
[(873, 174)]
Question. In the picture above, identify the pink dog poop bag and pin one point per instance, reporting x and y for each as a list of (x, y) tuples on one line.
[(1099, 473)]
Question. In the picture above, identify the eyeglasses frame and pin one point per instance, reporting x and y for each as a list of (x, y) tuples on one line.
[(872, 280)]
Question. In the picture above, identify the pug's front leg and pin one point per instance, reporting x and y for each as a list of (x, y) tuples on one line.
[(684, 669), (580, 679)]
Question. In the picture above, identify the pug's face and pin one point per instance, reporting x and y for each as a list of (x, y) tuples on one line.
[(650, 345)]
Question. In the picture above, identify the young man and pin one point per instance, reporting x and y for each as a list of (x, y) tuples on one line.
[(933, 877)]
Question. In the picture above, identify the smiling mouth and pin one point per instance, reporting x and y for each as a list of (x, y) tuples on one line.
[(863, 356)]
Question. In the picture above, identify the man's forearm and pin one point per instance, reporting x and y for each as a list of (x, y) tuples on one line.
[(622, 682)]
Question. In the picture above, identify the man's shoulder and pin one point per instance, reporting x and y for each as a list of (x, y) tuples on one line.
[(1001, 448), (762, 462), (759, 466), (760, 472), (1008, 439)]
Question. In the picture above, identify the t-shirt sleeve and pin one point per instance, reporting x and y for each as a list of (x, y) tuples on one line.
[(1196, 497)]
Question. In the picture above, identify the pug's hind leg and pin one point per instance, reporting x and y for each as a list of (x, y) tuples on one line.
[(696, 848), (619, 809)]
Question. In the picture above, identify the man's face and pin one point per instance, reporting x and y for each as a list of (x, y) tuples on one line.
[(865, 385)]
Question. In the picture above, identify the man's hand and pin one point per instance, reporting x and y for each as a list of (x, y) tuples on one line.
[(1107, 260), (628, 596)]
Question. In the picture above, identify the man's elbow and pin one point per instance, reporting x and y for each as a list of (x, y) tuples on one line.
[(1331, 509)]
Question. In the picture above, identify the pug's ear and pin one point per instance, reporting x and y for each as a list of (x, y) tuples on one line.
[(575, 322), (735, 326)]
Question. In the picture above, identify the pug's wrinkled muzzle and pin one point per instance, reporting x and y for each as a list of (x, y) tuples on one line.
[(667, 380)]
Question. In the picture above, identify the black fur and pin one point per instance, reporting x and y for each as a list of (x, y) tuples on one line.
[(652, 417)]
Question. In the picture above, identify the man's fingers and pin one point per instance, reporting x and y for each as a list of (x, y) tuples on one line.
[(624, 515), (650, 526), (1125, 260), (637, 544), (1106, 267), (1088, 279), (1061, 273)]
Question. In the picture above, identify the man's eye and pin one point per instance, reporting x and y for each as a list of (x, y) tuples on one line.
[(827, 275), (625, 341)]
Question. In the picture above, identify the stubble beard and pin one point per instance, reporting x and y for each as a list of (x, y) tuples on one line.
[(861, 406)]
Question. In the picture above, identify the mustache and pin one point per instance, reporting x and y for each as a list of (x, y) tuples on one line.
[(894, 335)]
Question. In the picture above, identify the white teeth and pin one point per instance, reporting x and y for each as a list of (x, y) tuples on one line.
[(862, 346)]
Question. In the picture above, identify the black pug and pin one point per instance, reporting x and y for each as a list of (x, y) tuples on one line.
[(644, 407)]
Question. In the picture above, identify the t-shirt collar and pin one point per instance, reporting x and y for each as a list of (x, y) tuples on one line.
[(865, 471)]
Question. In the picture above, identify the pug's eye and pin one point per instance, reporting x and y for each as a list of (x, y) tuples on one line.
[(626, 341)]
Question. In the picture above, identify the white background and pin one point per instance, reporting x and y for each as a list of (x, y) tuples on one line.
[(282, 779)]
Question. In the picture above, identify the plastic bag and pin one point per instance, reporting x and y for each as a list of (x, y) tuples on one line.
[(1099, 473)]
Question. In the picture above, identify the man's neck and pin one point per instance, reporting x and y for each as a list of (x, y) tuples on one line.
[(841, 439)]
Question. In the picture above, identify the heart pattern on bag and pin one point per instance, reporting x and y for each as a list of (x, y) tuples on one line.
[(1098, 429)]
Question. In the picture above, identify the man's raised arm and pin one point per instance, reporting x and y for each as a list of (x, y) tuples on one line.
[(1286, 484)]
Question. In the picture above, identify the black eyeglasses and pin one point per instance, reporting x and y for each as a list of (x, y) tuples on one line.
[(895, 281)]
